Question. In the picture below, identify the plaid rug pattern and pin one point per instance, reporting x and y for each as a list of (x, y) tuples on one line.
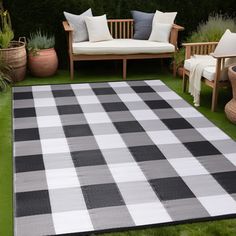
[(108, 156)]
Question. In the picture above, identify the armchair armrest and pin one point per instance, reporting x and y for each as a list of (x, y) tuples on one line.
[(204, 48), (178, 27), (223, 56), (66, 26), (69, 35), (174, 35)]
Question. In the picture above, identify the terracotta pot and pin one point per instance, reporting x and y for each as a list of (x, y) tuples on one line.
[(180, 71), (15, 56), (230, 108), (43, 63)]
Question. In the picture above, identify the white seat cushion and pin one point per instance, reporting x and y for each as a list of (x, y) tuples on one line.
[(122, 46), (209, 71)]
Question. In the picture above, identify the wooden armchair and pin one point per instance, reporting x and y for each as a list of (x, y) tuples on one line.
[(207, 49)]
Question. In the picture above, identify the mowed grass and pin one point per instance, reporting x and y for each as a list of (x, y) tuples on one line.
[(112, 73)]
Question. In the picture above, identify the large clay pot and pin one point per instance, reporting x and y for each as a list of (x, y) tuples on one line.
[(15, 56), (43, 63), (230, 108)]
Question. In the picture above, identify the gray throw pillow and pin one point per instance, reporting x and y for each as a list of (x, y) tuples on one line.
[(77, 22), (142, 24)]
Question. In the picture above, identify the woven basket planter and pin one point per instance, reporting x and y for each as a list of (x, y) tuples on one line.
[(230, 108), (15, 56)]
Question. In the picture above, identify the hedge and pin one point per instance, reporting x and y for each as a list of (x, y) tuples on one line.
[(28, 16)]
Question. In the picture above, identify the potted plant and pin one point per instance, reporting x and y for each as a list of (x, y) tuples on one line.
[(12, 53), (42, 57), (5, 76)]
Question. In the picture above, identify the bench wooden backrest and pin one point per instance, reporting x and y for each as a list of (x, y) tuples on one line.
[(124, 28), (121, 28), (199, 48)]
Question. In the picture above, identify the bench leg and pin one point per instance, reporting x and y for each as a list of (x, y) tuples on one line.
[(184, 83), (71, 69), (174, 69), (214, 98), (124, 69)]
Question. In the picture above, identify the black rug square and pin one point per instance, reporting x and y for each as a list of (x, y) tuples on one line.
[(77, 130), (129, 127), (178, 123), (203, 148), (143, 89), (171, 188), (88, 158), (23, 95), (29, 163), (26, 134), (103, 91), (158, 104), (69, 109), (32, 203), (226, 180), (146, 153), (24, 112), (102, 195), (118, 106), (63, 93)]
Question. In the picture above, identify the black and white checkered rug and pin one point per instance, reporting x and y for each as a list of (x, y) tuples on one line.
[(109, 156)]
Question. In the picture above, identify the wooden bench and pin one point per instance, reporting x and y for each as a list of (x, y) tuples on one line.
[(120, 29)]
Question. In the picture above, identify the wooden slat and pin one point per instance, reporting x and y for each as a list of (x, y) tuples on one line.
[(116, 30), (121, 28), (124, 29)]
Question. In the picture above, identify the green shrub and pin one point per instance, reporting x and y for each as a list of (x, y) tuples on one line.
[(6, 32), (213, 29), (39, 41), (5, 75)]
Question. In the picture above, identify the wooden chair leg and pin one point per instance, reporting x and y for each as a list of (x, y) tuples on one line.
[(184, 82), (214, 98), (216, 85), (124, 69), (71, 69)]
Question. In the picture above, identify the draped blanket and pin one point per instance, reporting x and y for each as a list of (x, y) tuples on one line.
[(199, 63)]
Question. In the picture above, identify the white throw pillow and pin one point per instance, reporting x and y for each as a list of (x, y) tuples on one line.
[(161, 26), (98, 28), (77, 22), (226, 45), (161, 33), (164, 17)]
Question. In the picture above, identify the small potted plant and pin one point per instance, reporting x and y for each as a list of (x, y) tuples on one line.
[(5, 76), (42, 57)]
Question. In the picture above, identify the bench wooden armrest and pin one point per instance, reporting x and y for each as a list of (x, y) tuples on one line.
[(67, 27), (203, 48), (199, 44), (178, 27), (69, 31), (174, 35)]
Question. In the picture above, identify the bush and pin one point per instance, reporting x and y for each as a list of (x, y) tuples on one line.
[(213, 29)]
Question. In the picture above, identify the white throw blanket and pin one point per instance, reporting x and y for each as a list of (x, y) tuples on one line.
[(199, 63)]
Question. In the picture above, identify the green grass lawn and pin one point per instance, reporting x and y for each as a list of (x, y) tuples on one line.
[(213, 228)]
